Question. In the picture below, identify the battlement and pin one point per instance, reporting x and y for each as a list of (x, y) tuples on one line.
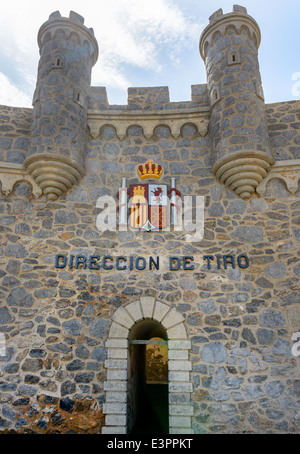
[(74, 24), (148, 99), (219, 13), (237, 22), (75, 17), (49, 142), (148, 107)]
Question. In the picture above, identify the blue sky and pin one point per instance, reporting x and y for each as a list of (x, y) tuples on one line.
[(148, 43)]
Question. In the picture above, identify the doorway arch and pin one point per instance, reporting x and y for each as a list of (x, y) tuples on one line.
[(132, 321), (147, 383)]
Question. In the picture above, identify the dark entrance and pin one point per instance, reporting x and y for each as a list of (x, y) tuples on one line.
[(148, 411)]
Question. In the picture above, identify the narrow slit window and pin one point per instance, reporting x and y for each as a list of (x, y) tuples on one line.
[(233, 57), (78, 97), (215, 95), (58, 62)]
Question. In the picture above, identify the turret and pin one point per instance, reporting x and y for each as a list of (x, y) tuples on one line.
[(238, 127), (68, 51)]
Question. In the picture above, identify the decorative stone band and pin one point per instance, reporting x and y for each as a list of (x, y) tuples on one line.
[(221, 23), (12, 174), (243, 172), (149, 121), (286, 171), (72, 25), (55, 175)]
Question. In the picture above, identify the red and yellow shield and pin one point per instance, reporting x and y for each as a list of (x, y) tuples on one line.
[(148, 206)]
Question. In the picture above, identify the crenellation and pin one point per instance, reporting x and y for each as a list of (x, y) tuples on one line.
[(199, 94), (148, 95), (73, 25), (239, 9), (216, 15), (55, 15), (97, 98), (76, 17), (149, 99)]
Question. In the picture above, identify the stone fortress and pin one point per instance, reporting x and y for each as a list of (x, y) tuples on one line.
[(74, 337)]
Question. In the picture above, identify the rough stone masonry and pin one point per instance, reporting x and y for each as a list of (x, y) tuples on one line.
[(65, 361)]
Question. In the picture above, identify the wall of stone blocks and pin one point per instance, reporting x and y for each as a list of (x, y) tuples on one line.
[(284, 124), (240, 322), (15, 134), (233, 361)]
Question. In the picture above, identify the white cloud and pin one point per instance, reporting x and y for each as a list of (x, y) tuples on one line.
[(10, 95), (134, 33), (149, 42), (106, 76)]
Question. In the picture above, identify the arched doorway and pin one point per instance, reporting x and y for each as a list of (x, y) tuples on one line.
[(144, 320), (147, 405)]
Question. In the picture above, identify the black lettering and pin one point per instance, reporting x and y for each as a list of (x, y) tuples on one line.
[(131, 263), (137, 264), (80, 260), (208, 258), (152, 262), (228, 259), (186, 263), (172, 266), (58, 259), (121, 268), (93, 265), (246, 261), (107, 267)]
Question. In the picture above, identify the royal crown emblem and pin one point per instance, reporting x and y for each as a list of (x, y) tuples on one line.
[(149, 170), (149, 206)]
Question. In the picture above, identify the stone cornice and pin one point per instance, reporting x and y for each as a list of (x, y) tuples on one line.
[(148, 121), (243, 172), (11, 174), (221, 21), (286, 171), (73, 24)]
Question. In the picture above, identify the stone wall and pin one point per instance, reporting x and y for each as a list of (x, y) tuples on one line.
[(64, 323), (282, 118), (15, 133), (284, 125), (240, 321)]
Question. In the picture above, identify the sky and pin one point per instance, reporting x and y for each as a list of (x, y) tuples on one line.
[(145, 43)]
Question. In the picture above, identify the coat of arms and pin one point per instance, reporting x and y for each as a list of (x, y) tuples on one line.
[(149, 204)]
